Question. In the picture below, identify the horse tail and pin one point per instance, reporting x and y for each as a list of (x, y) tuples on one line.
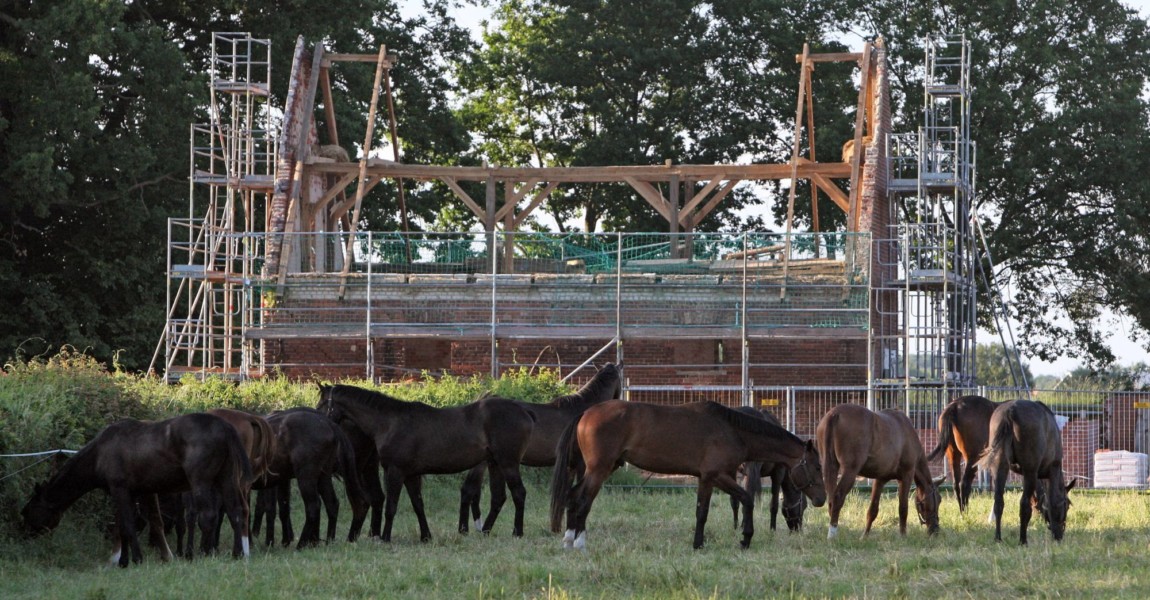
[(240, 464), (998, 449), (754, 473), (264, 447), (945, 432), (348, 468), (561, 476)]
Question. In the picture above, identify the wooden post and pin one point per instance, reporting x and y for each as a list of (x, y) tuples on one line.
[(804, 81), (349, 252)]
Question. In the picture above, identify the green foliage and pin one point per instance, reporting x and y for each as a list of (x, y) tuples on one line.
[(992, 367), (55, 403)]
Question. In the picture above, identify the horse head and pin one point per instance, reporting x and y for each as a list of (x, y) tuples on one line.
[(926, 501), (807, 475), (1054, 508), (326, 405), (40, 516)]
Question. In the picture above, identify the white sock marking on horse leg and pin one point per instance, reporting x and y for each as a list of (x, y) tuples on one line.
[(115, 560), (568, 538), (990, 517), (247, 545), (832, 532), (581, 541), (479, 523)]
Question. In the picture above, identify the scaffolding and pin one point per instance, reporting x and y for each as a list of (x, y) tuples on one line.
[(930, 297), (211, 261)]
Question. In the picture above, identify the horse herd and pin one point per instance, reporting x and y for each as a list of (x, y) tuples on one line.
[(202, 467)]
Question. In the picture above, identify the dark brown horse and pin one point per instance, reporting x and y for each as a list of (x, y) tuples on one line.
[(963, 432), (413, 439), (550, 421), (136, 459), (853, 441), (1024, 438), (704, 439), (751, 476), (311, 449)]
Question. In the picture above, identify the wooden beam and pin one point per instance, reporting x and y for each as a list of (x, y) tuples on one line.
[(832, 190), (703, 193), (333, 57), (856, 159), (804, 81), (514, 195), (828, 57), (535, 202), (328, 106), (603, 174), (698, 217), (652, 196), (334, 190), (338, 211), (479, 212)]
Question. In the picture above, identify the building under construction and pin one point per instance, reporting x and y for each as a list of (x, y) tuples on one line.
[(270, 274)]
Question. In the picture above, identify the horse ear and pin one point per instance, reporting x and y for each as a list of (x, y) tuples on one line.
[(1073, 482), (937, 481)]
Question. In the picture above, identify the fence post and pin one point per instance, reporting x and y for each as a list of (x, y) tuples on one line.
[(369, 351)]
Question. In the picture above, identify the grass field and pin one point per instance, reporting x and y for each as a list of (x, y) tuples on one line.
[(639, 545)]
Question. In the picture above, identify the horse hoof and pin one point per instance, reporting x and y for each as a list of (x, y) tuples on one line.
[(581, 540), (569, 539), (478, 525), (832, 532)]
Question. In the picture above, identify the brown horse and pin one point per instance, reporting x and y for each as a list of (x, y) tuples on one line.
[(704, 439), (550, 421), (751, 475), (1024, 438), (853, 441), (963, 432), (136, 459), (413, 439), (310, 448)]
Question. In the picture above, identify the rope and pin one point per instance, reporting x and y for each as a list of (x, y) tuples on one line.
[(47, 455)]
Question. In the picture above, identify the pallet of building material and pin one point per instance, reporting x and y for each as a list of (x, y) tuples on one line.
[(1120, 468)]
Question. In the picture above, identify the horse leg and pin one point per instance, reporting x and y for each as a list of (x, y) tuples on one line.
[(728, 484), (518, 497), (156, 537), (702, 507), (375, 495), (872, 510), (498, 483), (776, 487), (841, 488), (954, 457), (190, 520), (309, 491), (469, 495), (999, 490), (206, 507), (125, 528), (283, 507), (903, 501), (1029, 482), (414, 487), (580, 506), (741, 478), (235, 506), (394, 483), (266, 511), (330, 505)]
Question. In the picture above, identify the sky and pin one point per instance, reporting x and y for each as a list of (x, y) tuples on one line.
[(1120, 327)]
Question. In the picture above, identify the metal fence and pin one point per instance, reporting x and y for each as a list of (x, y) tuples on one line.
[(1093, 423)]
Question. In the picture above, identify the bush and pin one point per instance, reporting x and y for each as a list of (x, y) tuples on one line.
[(55, 403)]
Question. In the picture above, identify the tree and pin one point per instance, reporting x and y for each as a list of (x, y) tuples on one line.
[(94, 115), (992, 367), (1061, 123), (587, 82)]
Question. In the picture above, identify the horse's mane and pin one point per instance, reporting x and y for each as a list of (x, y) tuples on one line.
[(591, 391), (746, 422), (376, 400)]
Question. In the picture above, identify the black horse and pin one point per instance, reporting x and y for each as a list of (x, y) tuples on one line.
[(550, 421), (751, 479), (310, 448), (1024, 438), (412, 438), (134, 460)]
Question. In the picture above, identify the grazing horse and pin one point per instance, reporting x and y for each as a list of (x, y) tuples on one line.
[(704, 439), (963, 432), (751, 475), (550, 421), (137, 459), (310, 448), (853, 441), (1024, 438), (413, 439)]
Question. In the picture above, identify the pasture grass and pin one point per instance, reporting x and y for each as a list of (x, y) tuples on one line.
[(639, 546)]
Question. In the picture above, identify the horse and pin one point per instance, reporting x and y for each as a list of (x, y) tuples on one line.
[(259, 442), (413, 439), (963, 432), (310, 448), (550, 421), (853, 441), (135, 459), (367, 466), (750, 476), (704, 439), (1024, 438)]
